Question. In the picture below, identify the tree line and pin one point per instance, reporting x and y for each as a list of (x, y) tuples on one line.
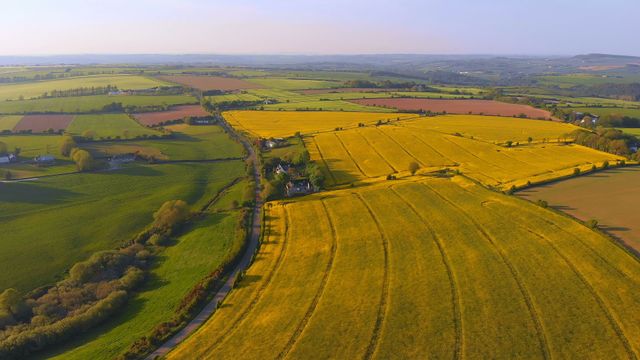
[(92, 292)]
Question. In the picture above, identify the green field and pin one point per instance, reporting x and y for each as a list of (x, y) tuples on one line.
[(188, 143), (432, 268), (109, 126), (55, 222), (79, 104), (294, 84), (9, 122), (199, 251), (34, 145), (586, 79), (234, 97), (632, 131), (35, 89)]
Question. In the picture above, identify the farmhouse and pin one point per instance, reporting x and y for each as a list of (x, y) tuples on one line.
[(298, 187)]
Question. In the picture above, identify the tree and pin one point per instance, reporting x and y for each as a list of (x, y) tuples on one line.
[(413, 167), (576, 171), (83, 159), (67, 145), (529, 139), (3, 148), (12, 302), (89, 134)]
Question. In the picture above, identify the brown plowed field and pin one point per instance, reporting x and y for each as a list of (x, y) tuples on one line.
[(204, 83), (42, 123), (485, 107), (176, 113), (610, 197), (344, 90)]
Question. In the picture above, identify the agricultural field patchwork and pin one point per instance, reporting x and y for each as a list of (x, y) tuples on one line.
[(205, 83), (608, 197), (482, 107), (39, 88), (437, 267), (176, 113), (79, 104), (286, 123)]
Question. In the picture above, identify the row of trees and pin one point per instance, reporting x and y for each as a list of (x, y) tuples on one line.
[(606, 139)]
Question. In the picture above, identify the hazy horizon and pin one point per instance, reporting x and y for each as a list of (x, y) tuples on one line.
[(313, 27)]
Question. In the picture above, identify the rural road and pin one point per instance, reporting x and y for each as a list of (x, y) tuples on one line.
[(244, 262)]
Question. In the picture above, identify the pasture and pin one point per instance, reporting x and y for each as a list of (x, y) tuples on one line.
[(432, 268), (267, 124), (38, 88), (187, 143), (608, 197), (482, 107), (108, 126), (79, 104), (205, 83), (175, 113), (197, 252), (54, 222), (373, 152)]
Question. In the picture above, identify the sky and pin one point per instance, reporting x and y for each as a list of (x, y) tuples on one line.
[(507, 27)]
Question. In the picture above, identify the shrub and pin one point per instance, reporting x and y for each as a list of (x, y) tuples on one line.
[(576, 171), (592, 224), (542, 203), (170, 214)]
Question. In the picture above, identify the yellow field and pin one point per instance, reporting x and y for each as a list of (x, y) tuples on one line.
[(431, 268), (494, 128), (267, 124), (373, 152)]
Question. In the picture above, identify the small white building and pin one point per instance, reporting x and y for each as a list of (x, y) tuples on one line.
[(8, 159)]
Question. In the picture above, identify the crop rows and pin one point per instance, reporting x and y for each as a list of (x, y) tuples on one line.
[(373, 152), (426, 269)]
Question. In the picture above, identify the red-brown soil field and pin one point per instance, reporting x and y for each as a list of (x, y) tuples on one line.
[(341, 90), (204, 83), (42, 123), (611, 197), (485, 107), (176, 113)]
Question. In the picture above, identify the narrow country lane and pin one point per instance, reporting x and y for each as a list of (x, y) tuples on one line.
[(251, 247)]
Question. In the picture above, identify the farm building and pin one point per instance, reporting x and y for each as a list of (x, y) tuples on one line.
[(299, 187), (44, 159), (275, 143), (283, 168), (7, 159)]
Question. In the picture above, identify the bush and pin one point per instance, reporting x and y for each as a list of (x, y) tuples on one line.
[(542, 203), (576, 171), (592, 224), (170, 214)]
